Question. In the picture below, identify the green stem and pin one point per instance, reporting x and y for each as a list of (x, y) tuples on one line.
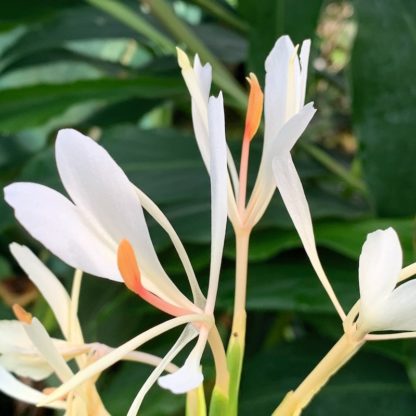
[(133, 20), (217, 10), (236, 345), (182, 33), (333, 166)]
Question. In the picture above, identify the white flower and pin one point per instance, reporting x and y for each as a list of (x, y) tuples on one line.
[(285, 119), (103, 232), (384, 306)]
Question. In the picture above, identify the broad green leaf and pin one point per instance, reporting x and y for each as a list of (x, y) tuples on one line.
[(383, 68)]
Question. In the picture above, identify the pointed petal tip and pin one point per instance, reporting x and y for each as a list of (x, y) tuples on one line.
[(183, 60)]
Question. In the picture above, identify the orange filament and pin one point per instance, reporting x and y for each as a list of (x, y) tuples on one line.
[(21, 314), (129, 269), (254, 108)]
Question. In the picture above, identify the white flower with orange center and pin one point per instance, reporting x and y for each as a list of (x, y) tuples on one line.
[(103, 231)]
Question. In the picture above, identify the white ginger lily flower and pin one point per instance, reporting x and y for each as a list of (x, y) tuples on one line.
[(382, 306), (285, 119), (104, 233)]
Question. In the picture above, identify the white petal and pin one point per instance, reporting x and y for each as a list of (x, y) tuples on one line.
[(276, 86), (291, 189), (24, 365), (380, 265), (46, 347), (14, 388), (218, 150), (398, 311), (106, 197), (188, 334), (13, 337), (304, 58), (47, 283), (53, 220), (278, 146), (187, 378)]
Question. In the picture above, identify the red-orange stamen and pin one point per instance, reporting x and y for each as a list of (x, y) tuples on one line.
[(254, 108), (129, 270)]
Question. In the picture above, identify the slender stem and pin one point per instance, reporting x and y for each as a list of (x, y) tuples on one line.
[(236, 345), (245, 152), (341, 352)]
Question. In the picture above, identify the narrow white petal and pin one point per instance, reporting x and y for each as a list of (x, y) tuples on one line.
[(47, 283), (278, 146), (304, 59), (118, 354), (276, 86), (161, 219), (291, 189), (16, 389), (188, 334), (218, 150), (107, 199), (380, 265), (53, 220), (46, 347)]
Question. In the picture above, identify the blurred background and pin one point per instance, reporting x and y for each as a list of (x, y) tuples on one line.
[(108, 68)]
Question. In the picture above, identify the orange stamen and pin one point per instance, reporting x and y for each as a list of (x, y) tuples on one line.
[(21, 314), (129, 269), (254, 108)]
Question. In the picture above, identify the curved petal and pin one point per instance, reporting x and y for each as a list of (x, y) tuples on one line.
[(218, 149), (107, 199), (398, 312), (53, 220), (188, 334), (291, 189), (47, 283), (379, 267), (14, 388), (278, 146)]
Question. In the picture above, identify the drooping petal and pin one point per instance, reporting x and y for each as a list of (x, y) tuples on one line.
[(107, 199), (218, 149), (188, 334), (53, 220), (48, 284), (379, 268), (44, 344), (280, 145), (16, 389), (291, 189)]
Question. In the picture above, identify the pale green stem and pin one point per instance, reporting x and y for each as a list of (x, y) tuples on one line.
[(295, 401), (236, 346), (217, 347), (133, 20), (182, 33)]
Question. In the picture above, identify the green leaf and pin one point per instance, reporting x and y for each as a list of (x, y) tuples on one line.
[(34, 105), (383, 68)]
